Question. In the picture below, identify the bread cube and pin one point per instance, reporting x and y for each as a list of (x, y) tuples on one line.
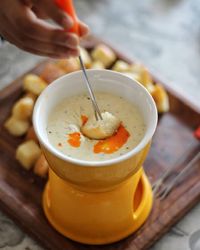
[(121, 66), (97, 65), (85, 57), (103, 54), (41, 166), (146, 80), (27, 154), (161, 98), (68, 65), (145, 77), (51, 72), (100, 129), (136, 68), (16, 126), (150, 88), (133, 76), (23, 108), (34, 84), (31, 135), (31, 95)]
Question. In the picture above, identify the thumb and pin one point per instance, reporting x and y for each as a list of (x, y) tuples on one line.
[(83, 29)]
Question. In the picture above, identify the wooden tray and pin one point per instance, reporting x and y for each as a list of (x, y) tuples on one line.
[(21, 191)]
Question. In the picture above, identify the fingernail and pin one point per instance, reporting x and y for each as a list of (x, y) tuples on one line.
[(74, 54), (69, 54), (87, 27), (67, 22), (63, 56), (72, 41)]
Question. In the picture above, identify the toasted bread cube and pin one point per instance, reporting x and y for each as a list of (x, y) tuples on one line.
[(145, 77), (161, 98), (100, 129), (51, 72), (85, 57), (27, 154), (97, 65), (23, 108), (41, 166), (31, 135), (121, 66), (136, 68), (68, 65), (16, 126), (31, 95), (150, 88), (103, 54), (133, 76), (34, 84)]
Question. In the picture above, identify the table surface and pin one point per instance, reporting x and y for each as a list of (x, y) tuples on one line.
[(164, 35)]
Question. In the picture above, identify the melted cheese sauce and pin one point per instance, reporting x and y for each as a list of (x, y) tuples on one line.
[(67, 117)]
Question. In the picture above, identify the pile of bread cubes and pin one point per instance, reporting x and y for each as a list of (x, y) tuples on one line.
[(19, 124)]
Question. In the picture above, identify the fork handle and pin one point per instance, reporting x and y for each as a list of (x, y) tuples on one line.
[(187, 167), (68, 7), (174, 181), (170, 170)]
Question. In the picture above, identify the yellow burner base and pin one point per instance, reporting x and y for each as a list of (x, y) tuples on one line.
[(97, 218)]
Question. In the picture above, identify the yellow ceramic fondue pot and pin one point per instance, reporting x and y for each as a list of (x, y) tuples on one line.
[(96, 202)]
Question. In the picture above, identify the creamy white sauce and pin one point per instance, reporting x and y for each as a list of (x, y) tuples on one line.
[(66, 119)]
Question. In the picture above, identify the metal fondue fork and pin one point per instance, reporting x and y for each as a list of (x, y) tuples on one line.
[(167, 189), (162, 193), (92, 96), (67, 6)]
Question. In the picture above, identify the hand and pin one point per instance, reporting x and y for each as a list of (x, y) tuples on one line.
[(21, 24)]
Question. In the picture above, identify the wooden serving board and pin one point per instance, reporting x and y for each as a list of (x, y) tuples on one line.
[(21, 191)]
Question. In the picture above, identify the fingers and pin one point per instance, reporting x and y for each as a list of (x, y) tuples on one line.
[(27, 2), (83, 29), (43, 48), (43, 31), (21, 27), (40, 48), (49, 8), (34, 45), (39, 13), (36, 51), (28, 27), (54, 12)]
